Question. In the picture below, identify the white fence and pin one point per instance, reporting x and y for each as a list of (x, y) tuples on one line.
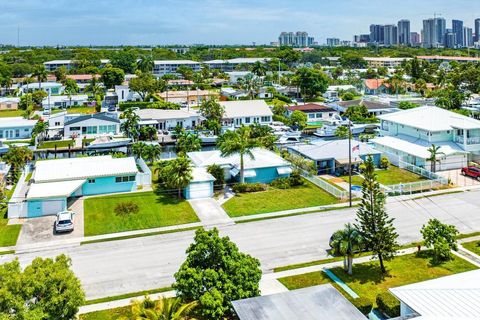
[(413, 187), (336, 192), (144, 178), (17, 206)]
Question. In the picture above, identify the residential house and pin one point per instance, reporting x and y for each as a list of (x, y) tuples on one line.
[(163, 67), (57, 181), (315, 112), (230, 65), (312, 303), (124, 93), (51, 88), (264, 167), (331, 157), (375, 86), (408, 135), (53, 65), (9, 103), (16, 128), (246, 112), (333, 92), (180, 83), (234, 76), (64, 101), (188, 97), (452, 297), (233, 93), (92, 125), (201, 185), (385, 62), (375, 108), (168, 119)]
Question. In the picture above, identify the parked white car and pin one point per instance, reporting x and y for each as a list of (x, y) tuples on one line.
[(64, 222)]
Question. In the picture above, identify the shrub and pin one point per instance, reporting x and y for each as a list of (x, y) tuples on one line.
[(249, 187), (363, 304), (388, 304), (441, 251), (126, 208), (361, 167), (281, 183), (217, 172), (148, 105), (296, 178), (384, 162)]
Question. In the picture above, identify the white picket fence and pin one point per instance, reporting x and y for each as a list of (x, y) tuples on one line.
[(336, 192)]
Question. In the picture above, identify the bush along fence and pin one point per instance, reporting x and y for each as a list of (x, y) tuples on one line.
[(336, 192)]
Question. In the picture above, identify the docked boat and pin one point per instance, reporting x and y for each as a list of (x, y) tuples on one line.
[(207, 137), (279, 128), (290, 137), (331, 125), (108, 142), (3, 147)]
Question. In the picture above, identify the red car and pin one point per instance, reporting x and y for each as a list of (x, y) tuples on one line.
[(473, 172)]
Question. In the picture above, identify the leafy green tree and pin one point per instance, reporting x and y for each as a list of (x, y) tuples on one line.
[(138, 149), (188, 142), (213, 112), (372, 221), (151, 152), (148, 133), (46, 289), (347, 242), (162, 309), (218, 173), (145, 64), (71, 88), (342, 132), (143, 84), (238, 142), (38, 96), (40, 74), (311, 82), (17, 158), (251, 84), (405, 105), (129, 125), (41, 127), (61, 74), (112, 77), (185, 72), (263, 135), (125, 60), (442, 237), (298, 119), (216, 273), (259, 69), (450, 98)]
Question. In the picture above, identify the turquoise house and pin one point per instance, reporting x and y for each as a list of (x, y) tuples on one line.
[(264, 167), (55, 181), (16, 128)]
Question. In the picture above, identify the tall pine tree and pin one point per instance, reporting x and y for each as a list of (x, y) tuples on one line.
[(373, 221)]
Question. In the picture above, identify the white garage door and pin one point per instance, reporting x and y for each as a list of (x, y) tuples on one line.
[(453, 162), (200, 190), (53, 206)]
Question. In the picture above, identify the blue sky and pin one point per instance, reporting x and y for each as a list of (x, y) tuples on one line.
[(85, 22)]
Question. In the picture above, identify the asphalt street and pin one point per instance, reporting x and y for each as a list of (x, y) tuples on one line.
[(117, 267)]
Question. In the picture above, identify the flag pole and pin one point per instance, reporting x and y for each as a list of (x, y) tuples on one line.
[(349, 163)]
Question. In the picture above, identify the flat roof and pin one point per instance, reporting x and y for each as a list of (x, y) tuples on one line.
[(245, 108), (322, 302), (83, 168), (176, 62), (431, 118), (53, 189), (10, 122), (311, 107), (159, 114), (333, 149)]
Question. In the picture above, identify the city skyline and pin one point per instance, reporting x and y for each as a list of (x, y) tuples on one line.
[(208, 22)]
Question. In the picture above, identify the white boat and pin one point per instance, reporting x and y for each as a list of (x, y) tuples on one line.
[(108, 142), (290, 137), (331, 125), (207, 137), (3, 147), (279, 128)]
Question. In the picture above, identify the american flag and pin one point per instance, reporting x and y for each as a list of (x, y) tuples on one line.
[(356, 148)]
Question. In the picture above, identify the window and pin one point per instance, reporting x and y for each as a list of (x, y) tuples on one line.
[(91, 180), (311, 115), (131, 178), (266, 119), (73, 128), (247, 120), (57, 123), (125, 179), (1, 134), (118, 179), (17, 133), (92, 130), (26, 130)]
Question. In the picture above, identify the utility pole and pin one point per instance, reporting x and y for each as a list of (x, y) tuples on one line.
[(349, 162), (18, 36)]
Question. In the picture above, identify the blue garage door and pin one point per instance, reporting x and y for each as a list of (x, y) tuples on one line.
[(35, 209)]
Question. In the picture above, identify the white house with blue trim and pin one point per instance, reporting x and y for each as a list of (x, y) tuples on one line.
[(264, 167), (201, 185), (92, 125), (16, 128), (54, 182), (407, 135)]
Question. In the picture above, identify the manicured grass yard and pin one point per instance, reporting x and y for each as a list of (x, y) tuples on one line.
[(110, 314), (154, 211), (395, 175), (58, 143), (473, 246), (368, 282), (8, 234), (272, 200), (11, 113), (356, 180), (79, 109)]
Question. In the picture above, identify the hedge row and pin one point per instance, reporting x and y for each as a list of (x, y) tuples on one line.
[(148, 105)]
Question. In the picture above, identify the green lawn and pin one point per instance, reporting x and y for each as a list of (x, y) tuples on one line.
[(58, 143), (368, 282), (390, 176), (272, 200), (8, 234), (154, 211), (356, 180), (79, 109), (110, 314), (11, 113), (473, 246)]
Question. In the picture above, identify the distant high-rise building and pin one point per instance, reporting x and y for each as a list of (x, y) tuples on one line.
[(310, 41), (297, 39), (361, 38), (441, 29), (477, 30), (433, 32), (415, 39), (450, 40), (404, 32), (333, 42), (377, 33), (390, 34), (457, 28), (467, 37)]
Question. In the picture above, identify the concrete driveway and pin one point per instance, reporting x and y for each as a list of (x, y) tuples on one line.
[(458, 179), (41, 229)]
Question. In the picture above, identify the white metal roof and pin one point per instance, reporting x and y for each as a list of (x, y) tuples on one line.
[(431, 118), (158, 114), (333, 149), (12, 122), (262, 159), (83, 168), (417, 147), (161, 62), (451, 297), (245, 108), (61, 98), (237, 60), (53, 189), (201, 175)]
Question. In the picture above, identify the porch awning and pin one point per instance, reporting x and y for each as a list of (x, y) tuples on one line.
[(250, 173), (53, 189), (284, 170), (234, 172), (345, 161)]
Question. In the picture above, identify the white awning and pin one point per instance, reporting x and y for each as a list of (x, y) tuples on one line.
[(250, 174), (234, 172), (284, 170), (53, 189)]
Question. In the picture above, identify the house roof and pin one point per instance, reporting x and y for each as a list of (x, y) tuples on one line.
[(322, 302), (262, 159), (374, 84), (237, 60), (201, 175), (81, 77), (451, 297), (54, 189), (417, 147), (176, 62), (311, 107), (159, 114), (183, 93), (96, 116), (333, 149), (11, 122), (431, 118), (245, 108), (370, 105), (82, 168)]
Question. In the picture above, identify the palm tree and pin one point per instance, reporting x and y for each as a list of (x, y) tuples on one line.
[(259, 69), (148, 133), (162, 309), (41, 127), (71, 88), (433, 157), (250, 84), (41, 74), (138, 149), (178, 174), (17, 158), (347, 242), (129, 125), (188, 142), (145, 64), (237, 142), (151, 152)]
